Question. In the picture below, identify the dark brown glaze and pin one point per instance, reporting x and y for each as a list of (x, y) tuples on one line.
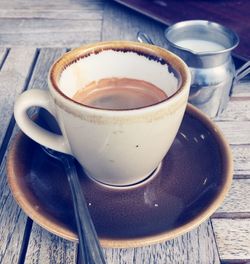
[(192, 175)]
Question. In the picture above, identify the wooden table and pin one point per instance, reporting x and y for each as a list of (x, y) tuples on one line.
[(32, 35)]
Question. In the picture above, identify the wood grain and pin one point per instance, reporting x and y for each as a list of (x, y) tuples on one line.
[(55, 5), (241, 156), (237, 133), (63, 14), (12, 222), (197, 246), (238, 198), (45, 247), (47, 56), (52, 39), (50, 23), (13, 76), (126, 23), (237, 110), (242, 90), (2, 56), (232, 238), (37, 26), (48, 33)]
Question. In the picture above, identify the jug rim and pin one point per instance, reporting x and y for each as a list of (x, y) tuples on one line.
[(205, 25)]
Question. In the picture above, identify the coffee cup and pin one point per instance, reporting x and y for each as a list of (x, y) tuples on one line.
[(119, 106)]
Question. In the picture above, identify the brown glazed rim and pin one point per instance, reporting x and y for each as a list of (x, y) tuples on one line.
[(54, 228), (126, 46)]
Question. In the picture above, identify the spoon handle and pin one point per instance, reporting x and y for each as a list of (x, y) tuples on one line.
[(88, 241)]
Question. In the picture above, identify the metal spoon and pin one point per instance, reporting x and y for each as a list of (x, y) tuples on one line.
[(144, 38), (90, 248)]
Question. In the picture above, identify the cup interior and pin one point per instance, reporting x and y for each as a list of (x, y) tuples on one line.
[(84, 66)]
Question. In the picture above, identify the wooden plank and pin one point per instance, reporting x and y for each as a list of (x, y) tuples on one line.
[(126, 23), (197, 246), (237, 133), (45, 247), (12, 222), (55, 4), (3, 54), (237, 200), (232, 238), (47, 56), (13, 26), (241, 156), (237, 110), (82, 14), (48, 32), (51, 39), (13, 78), (50, 23), (242, 89)]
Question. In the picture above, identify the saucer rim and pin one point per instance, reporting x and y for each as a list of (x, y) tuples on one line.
[(53, 227)]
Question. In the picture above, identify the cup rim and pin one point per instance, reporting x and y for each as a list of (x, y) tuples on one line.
[(142, 48)]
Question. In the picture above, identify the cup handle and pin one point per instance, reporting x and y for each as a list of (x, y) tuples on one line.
[(38, 98)]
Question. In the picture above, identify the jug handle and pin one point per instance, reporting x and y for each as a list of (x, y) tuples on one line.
[(243, 71)]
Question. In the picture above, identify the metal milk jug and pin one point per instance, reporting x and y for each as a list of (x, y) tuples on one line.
[(206, 48)]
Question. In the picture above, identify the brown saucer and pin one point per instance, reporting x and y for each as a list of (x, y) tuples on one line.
[(191, 184)]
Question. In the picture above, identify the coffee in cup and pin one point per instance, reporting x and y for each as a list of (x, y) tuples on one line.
[(119, 94)]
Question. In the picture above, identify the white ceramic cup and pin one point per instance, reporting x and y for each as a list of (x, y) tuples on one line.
[(115, 147)]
